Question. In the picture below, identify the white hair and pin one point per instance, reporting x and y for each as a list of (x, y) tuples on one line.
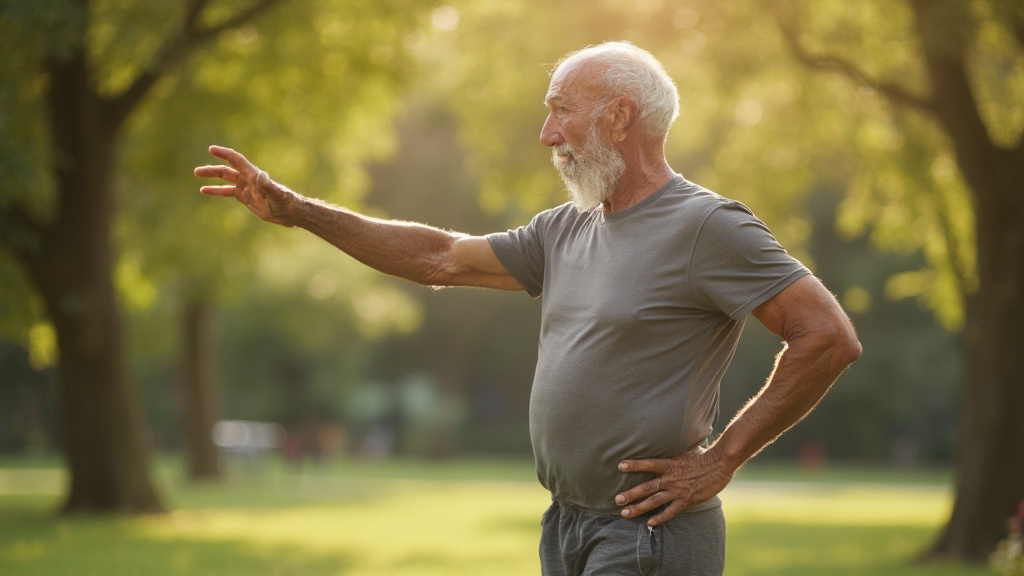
[(636, 73)]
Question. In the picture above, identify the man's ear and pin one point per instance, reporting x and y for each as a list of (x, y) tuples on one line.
[(624, 115)]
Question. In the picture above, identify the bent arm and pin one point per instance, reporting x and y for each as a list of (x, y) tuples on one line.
[(416, 252), (820, 343)]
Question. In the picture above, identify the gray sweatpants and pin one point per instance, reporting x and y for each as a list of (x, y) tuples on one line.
[(576, 543)]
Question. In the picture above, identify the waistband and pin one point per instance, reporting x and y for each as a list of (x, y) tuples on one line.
[(714, 502)]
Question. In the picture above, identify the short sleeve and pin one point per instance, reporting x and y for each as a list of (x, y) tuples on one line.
[(737, 264), (521, 252)]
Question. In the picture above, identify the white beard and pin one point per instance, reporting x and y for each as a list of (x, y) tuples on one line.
[(592, 176)]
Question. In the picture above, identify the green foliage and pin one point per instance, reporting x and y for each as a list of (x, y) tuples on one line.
[(998, 67), (307, 91), (912, 200), (125, 37), (20, 308), (24, 179), (24, 157), (905, 188)]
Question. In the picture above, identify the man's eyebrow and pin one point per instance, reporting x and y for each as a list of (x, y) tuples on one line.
[(553, 97)]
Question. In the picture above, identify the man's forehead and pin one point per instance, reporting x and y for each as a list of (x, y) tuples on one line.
[(573, 80), (562, 87)]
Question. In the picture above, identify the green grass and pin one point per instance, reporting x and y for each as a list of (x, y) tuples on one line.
[(465, 517)]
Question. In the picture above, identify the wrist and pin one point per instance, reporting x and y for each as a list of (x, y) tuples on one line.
[(727, 457), (294, 209)]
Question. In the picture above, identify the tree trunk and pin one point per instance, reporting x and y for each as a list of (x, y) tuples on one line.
[(104, 439), (200, 403), (990, 451), (990, 442)]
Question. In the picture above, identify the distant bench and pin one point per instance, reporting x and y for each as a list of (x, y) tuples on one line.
[(248, 440)]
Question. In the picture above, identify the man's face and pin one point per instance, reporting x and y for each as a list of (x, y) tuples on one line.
[(588, 163), (590, 174)]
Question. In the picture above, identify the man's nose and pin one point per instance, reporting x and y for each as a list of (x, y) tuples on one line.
[(550, 132)]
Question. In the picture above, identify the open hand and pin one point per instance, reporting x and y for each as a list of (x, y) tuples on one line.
[(250, 185), (692, 477)]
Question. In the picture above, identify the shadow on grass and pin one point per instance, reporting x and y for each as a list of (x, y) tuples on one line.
[(34, 541)]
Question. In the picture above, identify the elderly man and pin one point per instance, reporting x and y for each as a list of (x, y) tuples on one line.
[(646, 280)]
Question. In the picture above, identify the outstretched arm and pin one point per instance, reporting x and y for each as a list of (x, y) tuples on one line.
[(820, 345), (416, 252)]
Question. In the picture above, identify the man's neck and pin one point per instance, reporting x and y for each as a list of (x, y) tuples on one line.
[(635, 186)]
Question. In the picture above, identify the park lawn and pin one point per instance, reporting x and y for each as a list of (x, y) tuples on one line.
[(452, 519)]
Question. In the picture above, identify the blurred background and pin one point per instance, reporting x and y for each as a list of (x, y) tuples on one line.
[(136, 314)]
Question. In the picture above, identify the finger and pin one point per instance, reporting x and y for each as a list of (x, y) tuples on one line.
[(639, 491), (226, 191), (667, 514), (222, 152), (241, 163), (218, 171), (646, 505), (656, 465)]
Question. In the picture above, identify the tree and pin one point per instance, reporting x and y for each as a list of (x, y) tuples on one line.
[(67, 253), (968, 55), (81, 70)]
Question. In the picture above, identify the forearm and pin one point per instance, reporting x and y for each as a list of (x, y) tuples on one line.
[(803, 374), (415, 252), (411, 251)]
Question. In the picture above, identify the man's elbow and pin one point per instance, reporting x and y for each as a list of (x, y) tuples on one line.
[(846, 347), (834, 344)]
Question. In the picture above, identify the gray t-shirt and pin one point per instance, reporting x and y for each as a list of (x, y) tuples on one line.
[(641, 313)]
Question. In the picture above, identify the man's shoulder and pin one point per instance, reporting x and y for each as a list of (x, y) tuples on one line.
[(690, 191), (693, 201), (563, 214)]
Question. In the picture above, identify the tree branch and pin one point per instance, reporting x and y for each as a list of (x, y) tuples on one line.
[(257, 8), (1011, 15), (939, 29), (174, 50), (954, 244), (894, 92)]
